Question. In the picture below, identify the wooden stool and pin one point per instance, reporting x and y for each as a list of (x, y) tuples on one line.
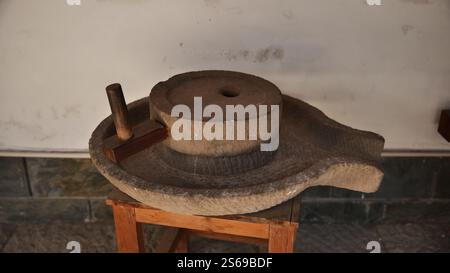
[(276, 226)]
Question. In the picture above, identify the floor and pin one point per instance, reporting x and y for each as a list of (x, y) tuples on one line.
[(99, 237)]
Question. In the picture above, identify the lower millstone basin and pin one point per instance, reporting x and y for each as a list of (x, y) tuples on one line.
[(224, 178), (219, 165), (314, 150)]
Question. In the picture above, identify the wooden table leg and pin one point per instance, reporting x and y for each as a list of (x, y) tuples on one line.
[(181, 243), (129, 234), (282, 237)]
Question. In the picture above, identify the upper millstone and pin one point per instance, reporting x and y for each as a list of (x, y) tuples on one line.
[(221, 89)]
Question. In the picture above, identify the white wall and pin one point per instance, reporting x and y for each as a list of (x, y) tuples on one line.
[(385, 69)]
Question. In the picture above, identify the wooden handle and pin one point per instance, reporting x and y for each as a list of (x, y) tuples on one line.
[(119, 111), (145, 134)]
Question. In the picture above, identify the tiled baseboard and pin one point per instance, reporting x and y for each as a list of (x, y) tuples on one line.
[(71, 190)]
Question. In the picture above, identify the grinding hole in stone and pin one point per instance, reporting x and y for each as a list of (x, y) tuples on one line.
[(229, 93)]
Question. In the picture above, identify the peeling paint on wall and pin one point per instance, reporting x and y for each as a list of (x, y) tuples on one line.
[(420, 2), (406, 29)]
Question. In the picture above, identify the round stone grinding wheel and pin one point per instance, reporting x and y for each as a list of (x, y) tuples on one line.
[(314, 150), (220, 88)]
